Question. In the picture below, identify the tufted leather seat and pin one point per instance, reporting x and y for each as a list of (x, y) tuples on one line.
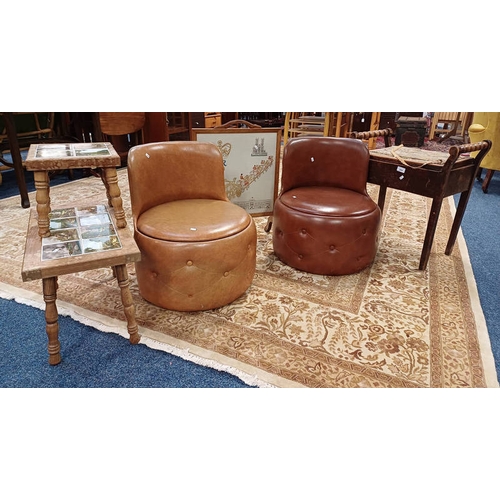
[(324, 222), (198, 250)]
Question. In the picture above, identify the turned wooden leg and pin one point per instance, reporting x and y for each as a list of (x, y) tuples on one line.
[(128, 303), (51, 319), (106, 185), (42, 201), (381, 198), (110, 180)]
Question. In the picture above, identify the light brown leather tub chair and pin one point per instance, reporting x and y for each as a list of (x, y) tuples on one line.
[(324, 222), (198, 249)]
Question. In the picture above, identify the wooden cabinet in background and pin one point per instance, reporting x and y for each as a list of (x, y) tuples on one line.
[(213, 119), (264, 119), (207, 119), (155, 127), (178, 126), (388, 120), (167, 126)]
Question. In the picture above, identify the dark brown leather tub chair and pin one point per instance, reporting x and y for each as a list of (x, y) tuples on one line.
[(324, 222), (198, 250)]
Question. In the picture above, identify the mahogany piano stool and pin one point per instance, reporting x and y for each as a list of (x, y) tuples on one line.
[(432, 174)]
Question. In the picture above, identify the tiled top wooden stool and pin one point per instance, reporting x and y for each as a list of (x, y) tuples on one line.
[(86, 238), (45, 158)]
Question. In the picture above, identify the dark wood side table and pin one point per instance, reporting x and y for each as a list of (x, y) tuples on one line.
[(74, 247), (432, 174)]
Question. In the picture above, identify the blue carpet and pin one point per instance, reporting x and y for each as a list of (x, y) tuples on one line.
[(481, 229), (91, 358), (95, 359)]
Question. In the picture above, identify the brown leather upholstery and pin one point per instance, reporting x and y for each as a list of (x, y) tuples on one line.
[(198, 250), (324, 222)]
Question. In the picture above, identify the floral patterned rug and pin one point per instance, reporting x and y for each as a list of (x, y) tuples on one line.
[(388, 326)]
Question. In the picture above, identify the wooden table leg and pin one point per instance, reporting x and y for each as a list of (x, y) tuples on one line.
[(487, 180), (462, 205), (128, 303), (431, 230), (106, 185), (381, 198), (110, 180), (269, 224), (51, 319), (42, 187)]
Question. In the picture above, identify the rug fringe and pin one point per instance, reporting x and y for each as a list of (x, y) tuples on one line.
[(251, 380), (33, 300)]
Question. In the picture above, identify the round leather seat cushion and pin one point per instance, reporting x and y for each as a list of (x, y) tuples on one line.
[(328, 201), (193, 220)]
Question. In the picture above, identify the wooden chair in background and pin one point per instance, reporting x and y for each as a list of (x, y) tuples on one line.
[(27, 128), (299, 124), (12, 146), (123, 130), (18, 130), (325, 124), (450, 124)]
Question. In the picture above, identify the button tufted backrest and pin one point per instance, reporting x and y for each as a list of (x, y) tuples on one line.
[(325, 161), (178, 170)]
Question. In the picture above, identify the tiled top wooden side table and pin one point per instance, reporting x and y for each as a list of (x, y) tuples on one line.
[(82, 238), (45, 158)]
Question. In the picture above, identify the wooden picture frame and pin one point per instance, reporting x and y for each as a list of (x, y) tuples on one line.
[(251, 164)]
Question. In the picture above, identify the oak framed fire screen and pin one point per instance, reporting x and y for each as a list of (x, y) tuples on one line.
[(251, 159)]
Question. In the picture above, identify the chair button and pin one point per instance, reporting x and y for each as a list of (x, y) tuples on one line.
[(226, 273), (189, 263)]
